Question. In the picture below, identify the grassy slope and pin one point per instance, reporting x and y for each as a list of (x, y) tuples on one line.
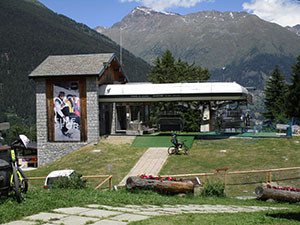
[(205, 156), (242, 154), (85, 161)]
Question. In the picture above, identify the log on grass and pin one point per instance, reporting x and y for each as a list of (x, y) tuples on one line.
[(263, 193), (170, 187)]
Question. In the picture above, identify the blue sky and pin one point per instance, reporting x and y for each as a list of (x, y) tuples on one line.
[(107, 12)]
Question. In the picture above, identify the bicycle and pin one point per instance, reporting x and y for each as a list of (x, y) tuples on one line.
[(177, 147), (18, 182)]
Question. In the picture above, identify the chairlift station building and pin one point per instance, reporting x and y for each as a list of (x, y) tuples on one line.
[(101, 101)]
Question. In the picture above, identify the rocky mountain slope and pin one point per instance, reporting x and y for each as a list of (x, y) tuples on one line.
[(235, 46), (295, 29)]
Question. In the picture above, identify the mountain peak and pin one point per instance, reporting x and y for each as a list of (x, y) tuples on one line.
[(148, 11), (144, 10), (295, 29), (100, 29)]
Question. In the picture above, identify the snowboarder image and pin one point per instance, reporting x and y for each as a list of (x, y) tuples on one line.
[(74, 108), (62, 113)]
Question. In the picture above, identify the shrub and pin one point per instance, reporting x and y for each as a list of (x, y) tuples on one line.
[(213, 189), (75, 181)]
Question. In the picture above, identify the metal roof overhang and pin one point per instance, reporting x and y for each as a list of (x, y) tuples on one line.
[(147, 92)]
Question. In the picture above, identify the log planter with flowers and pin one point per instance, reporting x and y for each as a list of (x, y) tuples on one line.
[(166, 185), (280, 194)]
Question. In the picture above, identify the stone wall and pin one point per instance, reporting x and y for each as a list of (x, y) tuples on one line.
[(92, 104), (52, 151)]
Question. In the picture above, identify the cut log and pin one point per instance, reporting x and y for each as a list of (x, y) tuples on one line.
[(263, 193), (170, 187)]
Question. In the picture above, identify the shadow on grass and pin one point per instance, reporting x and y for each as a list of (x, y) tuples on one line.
[(290, 216)]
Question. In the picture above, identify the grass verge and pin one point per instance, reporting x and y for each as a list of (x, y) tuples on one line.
[(265, 218), (39, 200)]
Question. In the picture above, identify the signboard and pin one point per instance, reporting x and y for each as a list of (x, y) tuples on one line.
[(66, 101), (4, 126), (282, 126)]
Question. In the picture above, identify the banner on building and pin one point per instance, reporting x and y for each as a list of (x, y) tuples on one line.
[(66, 111)]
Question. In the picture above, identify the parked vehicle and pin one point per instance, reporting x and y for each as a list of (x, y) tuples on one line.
[(12, 178)]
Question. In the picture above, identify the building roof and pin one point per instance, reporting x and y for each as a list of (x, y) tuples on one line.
[(73, 65), (148, 92)]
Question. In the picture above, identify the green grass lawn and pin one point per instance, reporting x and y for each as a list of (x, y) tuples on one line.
[(121, 158), (205, 156), (46, 200), (241, 154), (161, 140), (265, 218)]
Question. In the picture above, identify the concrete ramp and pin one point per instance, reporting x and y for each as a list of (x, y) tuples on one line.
[(150, 163)]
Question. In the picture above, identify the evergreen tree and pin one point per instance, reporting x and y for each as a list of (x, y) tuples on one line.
[(163, 70), (293, 109), (168, 70), (275, 96)]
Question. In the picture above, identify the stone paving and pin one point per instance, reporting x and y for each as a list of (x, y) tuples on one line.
[(102, 214), (150, 163)]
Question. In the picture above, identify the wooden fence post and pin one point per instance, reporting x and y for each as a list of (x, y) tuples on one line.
[(103, 182), (110, 183)]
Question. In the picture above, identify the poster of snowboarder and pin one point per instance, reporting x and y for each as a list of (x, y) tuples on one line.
[(66, 111)]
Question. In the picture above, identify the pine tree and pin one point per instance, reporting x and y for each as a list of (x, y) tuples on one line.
[(293, 109), (163, 69), (275, 96), (168, 70)]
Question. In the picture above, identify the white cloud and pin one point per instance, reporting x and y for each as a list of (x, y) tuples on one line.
[(161, 5), (282, 12)]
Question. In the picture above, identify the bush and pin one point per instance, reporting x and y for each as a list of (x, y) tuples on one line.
[(74, 182), (213, 189)]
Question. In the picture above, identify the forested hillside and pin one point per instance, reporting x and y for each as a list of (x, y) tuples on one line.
[(29, 32)]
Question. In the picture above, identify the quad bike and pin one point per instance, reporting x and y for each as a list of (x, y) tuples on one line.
[(12, 178)]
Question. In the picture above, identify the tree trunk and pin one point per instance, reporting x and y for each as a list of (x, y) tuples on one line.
[(278, 195), (170, 187)]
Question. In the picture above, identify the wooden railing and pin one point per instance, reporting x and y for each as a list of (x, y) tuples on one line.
[(226, 173), (108, 178)]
